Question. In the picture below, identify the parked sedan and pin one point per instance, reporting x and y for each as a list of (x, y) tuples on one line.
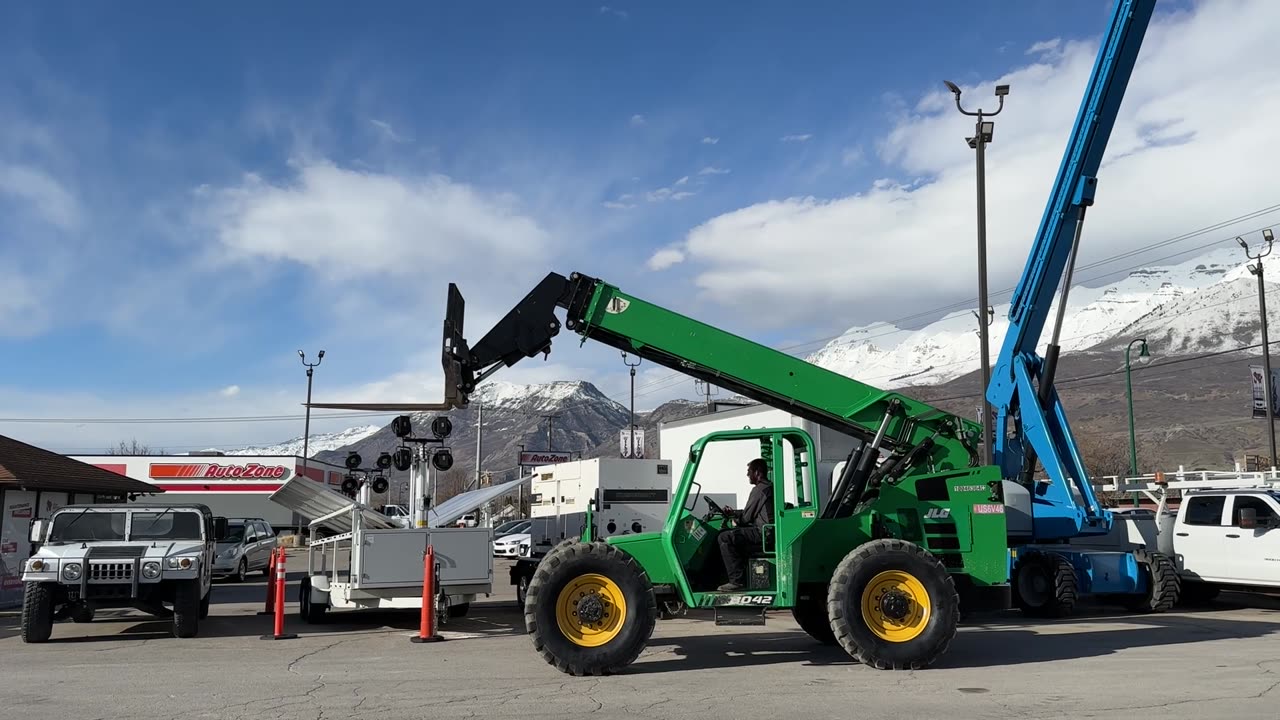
[(509, 545)]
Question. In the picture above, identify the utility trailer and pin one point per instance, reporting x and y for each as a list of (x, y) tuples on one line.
[(358, 558)]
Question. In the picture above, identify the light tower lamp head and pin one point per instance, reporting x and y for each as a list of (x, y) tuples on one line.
[(1266, 235), (1002, 90), (1243, 244), (1144, 354)]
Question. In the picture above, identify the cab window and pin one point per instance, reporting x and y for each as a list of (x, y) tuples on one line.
[(1258, 505), (1205, 510)]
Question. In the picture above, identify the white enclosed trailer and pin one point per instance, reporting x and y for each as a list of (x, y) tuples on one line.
[(722, 471)]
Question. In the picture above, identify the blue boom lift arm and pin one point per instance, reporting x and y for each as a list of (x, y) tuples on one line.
[(1021, 387)]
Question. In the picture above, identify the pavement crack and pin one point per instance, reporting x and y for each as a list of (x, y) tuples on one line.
[(312, 653)]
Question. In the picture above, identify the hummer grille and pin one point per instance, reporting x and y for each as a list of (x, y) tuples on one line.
[(111, 572)]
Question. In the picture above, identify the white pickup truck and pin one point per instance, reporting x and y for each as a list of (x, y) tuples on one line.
[(1223, 539)]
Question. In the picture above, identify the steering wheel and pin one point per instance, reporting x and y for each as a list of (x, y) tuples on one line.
[(716, 509)]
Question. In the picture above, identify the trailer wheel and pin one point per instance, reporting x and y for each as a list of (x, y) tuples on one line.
[(810, 613), (1162, 584), (893, 605), (1044, 585), (590, 609), (311, 611), (37, 613)]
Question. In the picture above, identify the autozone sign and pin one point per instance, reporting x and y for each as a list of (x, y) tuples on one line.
[(249, 471), (544, 457)]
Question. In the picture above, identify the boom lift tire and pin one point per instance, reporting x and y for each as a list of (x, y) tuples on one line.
[(893, 605), (810, 612), (590, 609), (1163, 585), (1044, 585)]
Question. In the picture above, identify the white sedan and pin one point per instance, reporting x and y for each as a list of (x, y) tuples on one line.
[(509, 545)]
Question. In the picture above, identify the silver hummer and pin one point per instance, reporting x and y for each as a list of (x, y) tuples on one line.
[(111, 555)]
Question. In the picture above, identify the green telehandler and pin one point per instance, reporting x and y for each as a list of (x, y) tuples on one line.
[(911, 530)]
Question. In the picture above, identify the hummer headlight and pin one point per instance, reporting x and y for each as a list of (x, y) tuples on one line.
[(181, 563), (39, 566), (71, 571), (151, 570)]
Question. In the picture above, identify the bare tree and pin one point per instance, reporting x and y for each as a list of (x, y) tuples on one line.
[(132, 447)]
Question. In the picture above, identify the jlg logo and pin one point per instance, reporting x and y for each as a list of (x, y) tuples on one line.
[(938, 514)]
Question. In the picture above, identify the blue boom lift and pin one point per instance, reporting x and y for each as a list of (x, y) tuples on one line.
[(1045, 517)]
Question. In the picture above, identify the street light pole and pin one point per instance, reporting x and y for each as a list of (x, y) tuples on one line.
[(631, 429), (1144, 357), (1257, 270), (306, 432), (982, 135)]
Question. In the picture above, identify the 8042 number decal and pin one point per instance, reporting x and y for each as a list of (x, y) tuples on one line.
[(749, 600)]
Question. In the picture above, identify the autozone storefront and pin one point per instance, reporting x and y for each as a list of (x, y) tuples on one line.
[(231, 485)]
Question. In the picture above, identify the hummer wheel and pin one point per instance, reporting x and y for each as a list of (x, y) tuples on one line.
[(893, 605), (186, 608), (590, 609), (37, 613)]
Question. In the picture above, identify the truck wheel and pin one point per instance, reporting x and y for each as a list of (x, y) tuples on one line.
[(186, 608), (1196, 592), (1044, 585), (893, 605), (37, 613), (590, 609), (810, 612), (1162, 584)]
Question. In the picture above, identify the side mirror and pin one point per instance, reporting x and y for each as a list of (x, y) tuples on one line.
[(1248, 518), (219, 529), (37, 530)]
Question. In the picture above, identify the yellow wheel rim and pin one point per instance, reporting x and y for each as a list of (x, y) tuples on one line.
[(895, 606), (590, 610)]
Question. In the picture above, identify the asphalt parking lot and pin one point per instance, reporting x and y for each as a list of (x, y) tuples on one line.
[(1222, 661)]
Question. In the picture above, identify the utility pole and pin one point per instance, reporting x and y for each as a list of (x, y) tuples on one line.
[(706, 388), (549, 418), (1267, 390), (982, 135), (479, 434)]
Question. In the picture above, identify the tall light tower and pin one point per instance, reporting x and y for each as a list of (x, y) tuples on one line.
[(306, 432), (982, 134), (631, 429)]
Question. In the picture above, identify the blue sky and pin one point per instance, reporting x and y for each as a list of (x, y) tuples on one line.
[(188, 196)]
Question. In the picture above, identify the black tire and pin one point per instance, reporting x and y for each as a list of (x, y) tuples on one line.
[(242, 570), (310, 611), (1044, 585), (459, 610), (186, 608), (1163, 585), (1197, 592), (37, 613), (852, 628), (522, 590), (569, 564), (811, 615)]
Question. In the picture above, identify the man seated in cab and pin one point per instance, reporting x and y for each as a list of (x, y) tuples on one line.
[(737, 543)]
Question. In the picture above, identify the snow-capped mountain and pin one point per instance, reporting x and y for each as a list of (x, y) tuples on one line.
[(1203, 304), (318, 443)]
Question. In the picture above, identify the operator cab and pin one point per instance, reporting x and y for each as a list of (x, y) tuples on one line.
[(706, 493)]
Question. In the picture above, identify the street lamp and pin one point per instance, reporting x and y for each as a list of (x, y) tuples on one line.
[(982, 134), (1257, 270), (1144, 357), (306, 432)]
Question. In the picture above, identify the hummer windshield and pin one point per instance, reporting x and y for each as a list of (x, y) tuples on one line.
[(165, 525), (86, 526)]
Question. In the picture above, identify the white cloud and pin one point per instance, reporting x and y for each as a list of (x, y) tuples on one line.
[(797, 138), (682, 180), (852, 156), (230, 391), (1201, 105), (710, 140), (1044, 46), (637, 120), (386, 130), (711, 170), (665, 258), (41, 192), (344, 224), (606, 10), (617, 205)]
